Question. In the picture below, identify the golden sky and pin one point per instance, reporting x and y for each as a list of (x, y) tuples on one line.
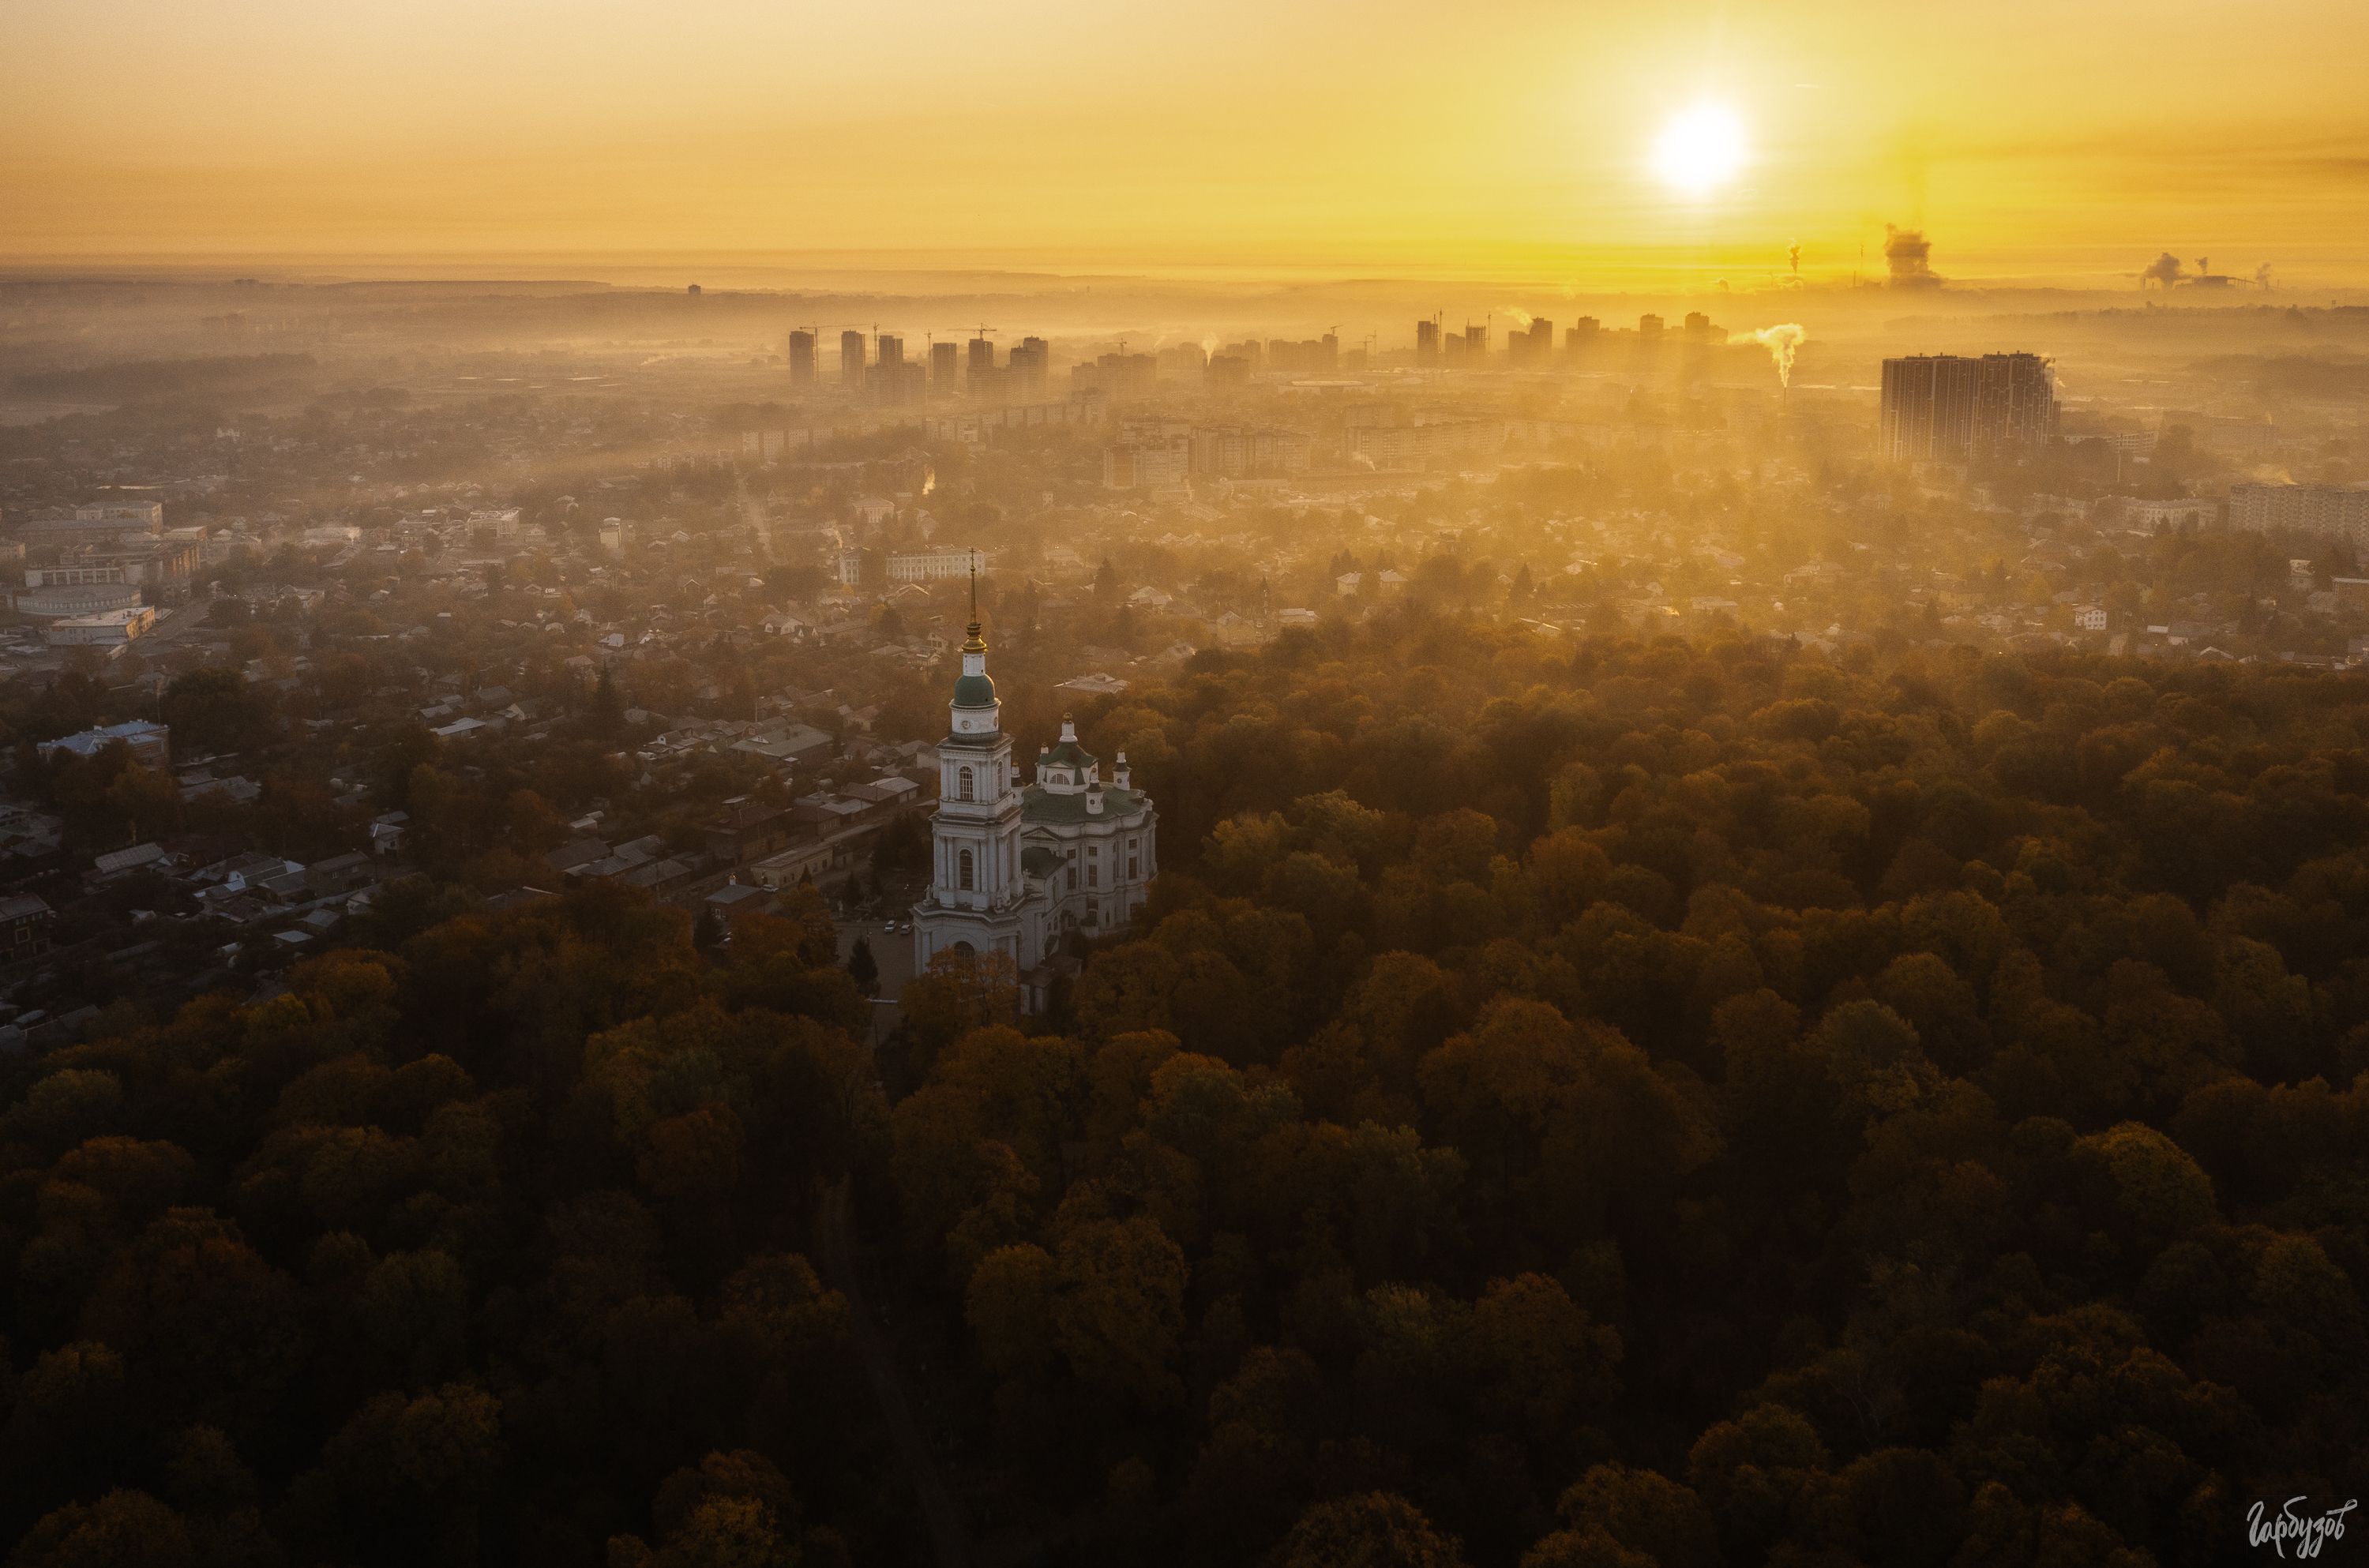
[(2030, 137)]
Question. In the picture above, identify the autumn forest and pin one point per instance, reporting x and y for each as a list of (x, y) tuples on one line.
[(1573, 1102)]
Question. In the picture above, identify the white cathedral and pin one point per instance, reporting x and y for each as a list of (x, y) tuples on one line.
[(1016, 867)]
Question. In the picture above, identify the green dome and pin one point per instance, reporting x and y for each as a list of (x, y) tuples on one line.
[(974, 691)]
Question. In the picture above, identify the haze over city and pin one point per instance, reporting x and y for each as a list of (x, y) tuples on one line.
[(1300, 785)]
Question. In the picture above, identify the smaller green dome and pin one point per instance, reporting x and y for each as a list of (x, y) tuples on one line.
[(974, 691)]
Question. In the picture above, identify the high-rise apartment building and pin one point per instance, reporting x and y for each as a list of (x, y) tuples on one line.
[(850, 358), (1032, 360), (1117, 375), (895, 382), (945, 369), (1928, 407), (1534, 346), (802, 358), (1244, 450), (1952, 407), (1427, 343), (2326, 509), (1309, 354), (2019, 402)]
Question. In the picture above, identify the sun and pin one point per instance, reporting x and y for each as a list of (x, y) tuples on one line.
[(1700, 149)]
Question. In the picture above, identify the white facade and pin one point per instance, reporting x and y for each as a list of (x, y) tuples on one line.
[(979, 898), (107, 628), (934, 566), (76, 599), (104, 524), (1092, 847), (165, 561), (1014, 868)]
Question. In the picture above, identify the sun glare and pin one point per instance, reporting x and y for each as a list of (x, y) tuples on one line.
[(1700, 149)]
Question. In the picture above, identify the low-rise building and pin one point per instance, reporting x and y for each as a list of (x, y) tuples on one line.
[(107, 628), (935, 566), (25, 923), (151, 743), (101, 524), (748, 830), (54, 601)]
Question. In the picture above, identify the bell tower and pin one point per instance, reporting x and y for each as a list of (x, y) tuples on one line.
[(976, 886)]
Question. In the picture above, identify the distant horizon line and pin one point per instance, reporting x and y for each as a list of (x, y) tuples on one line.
[(634, 270)]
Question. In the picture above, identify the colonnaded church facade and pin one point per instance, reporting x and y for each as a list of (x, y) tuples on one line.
[(1014, 867)]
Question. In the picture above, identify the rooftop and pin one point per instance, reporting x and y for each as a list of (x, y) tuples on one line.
[(1038, 804)]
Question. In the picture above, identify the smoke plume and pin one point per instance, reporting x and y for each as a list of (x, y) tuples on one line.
[(1908, 256), (1521, 317), (1782, 343), (1793, 258), (2164, 270)]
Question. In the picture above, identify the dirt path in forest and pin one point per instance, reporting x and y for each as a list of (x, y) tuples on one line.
[(835, 1228)]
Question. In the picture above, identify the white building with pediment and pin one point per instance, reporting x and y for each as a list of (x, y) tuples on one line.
[(1015, 867)]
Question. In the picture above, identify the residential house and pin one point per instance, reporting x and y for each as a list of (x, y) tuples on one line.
[(748, 830), (387, 831), (25, 923), (150, 744)]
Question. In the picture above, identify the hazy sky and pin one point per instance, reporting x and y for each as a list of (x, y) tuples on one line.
[(2030, 137)]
